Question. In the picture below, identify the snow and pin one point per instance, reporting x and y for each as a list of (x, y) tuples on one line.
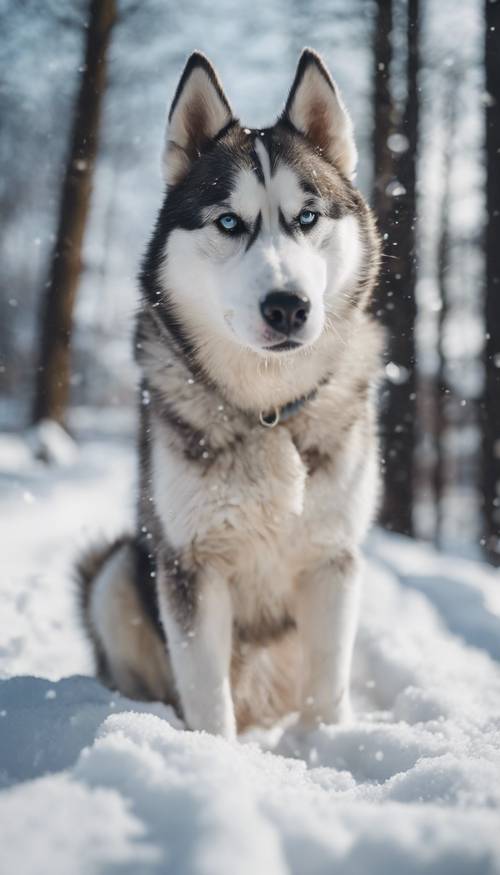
[(94, 783), (50, 443)]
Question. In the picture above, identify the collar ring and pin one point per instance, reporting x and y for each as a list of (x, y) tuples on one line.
[(271, 419)]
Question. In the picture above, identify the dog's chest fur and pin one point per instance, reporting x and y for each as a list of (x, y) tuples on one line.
[(261, 505)]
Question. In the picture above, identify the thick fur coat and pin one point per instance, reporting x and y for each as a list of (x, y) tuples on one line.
[(236, 600)]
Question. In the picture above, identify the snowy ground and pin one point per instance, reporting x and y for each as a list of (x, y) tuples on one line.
[(92, 783)]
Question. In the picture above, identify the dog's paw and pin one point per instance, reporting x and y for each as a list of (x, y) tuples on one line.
[(295, 742), (336, 713)]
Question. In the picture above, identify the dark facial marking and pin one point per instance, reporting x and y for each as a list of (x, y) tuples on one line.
[(309, 187), (255, 232), (284, 225), (257, 167), (336, 210)]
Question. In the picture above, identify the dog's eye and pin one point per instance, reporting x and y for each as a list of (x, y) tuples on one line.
[(229, 223), (307, 218)]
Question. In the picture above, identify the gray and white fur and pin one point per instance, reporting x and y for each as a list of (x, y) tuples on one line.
[(237, 598)]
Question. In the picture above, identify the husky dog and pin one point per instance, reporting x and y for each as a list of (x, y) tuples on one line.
[(236, 600)]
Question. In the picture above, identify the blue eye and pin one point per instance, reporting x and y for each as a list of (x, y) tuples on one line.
[(307, 218), (228, 223)]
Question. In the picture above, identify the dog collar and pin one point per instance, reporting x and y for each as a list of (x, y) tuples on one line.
[(272, 418)]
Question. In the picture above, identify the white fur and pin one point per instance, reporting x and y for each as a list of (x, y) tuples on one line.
[(327, 616), (201, 657)]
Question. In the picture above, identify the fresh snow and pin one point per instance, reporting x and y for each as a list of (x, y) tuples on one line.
[(94, 783)]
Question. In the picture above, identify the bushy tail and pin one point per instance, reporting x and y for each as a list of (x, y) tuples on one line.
[(118, 608), (88, 566)]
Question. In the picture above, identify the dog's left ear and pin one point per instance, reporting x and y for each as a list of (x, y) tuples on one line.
[(199, 111), (315, 108)]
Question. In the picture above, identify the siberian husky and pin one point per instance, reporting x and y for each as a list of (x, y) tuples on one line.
[(236, 599)]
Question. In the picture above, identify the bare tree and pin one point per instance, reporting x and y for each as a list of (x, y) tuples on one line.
[(395, 198), (442, 389), (384, 115), (383, 161), (52, 384), (490, 403)]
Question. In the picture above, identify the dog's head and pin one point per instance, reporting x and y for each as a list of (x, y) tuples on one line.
[(261, 233)]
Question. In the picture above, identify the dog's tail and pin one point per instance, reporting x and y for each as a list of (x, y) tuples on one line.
[(88, 568), (118, 610), (90, 563)]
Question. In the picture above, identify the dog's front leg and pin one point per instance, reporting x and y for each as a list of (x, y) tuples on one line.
[(197, 615), (327, 621)]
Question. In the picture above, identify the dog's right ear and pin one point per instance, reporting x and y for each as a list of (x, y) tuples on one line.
[(199, 111), (315, 108)]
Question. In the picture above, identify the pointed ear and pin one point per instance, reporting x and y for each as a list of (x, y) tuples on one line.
[(199, 111), (315, 108)]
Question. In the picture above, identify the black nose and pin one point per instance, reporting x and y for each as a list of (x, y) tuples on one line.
[(286, 312)]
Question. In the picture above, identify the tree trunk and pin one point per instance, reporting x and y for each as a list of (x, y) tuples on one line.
[(383, 163), (398, 307), (52, 383), (491, 394), (442, 390), (383, 169)]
